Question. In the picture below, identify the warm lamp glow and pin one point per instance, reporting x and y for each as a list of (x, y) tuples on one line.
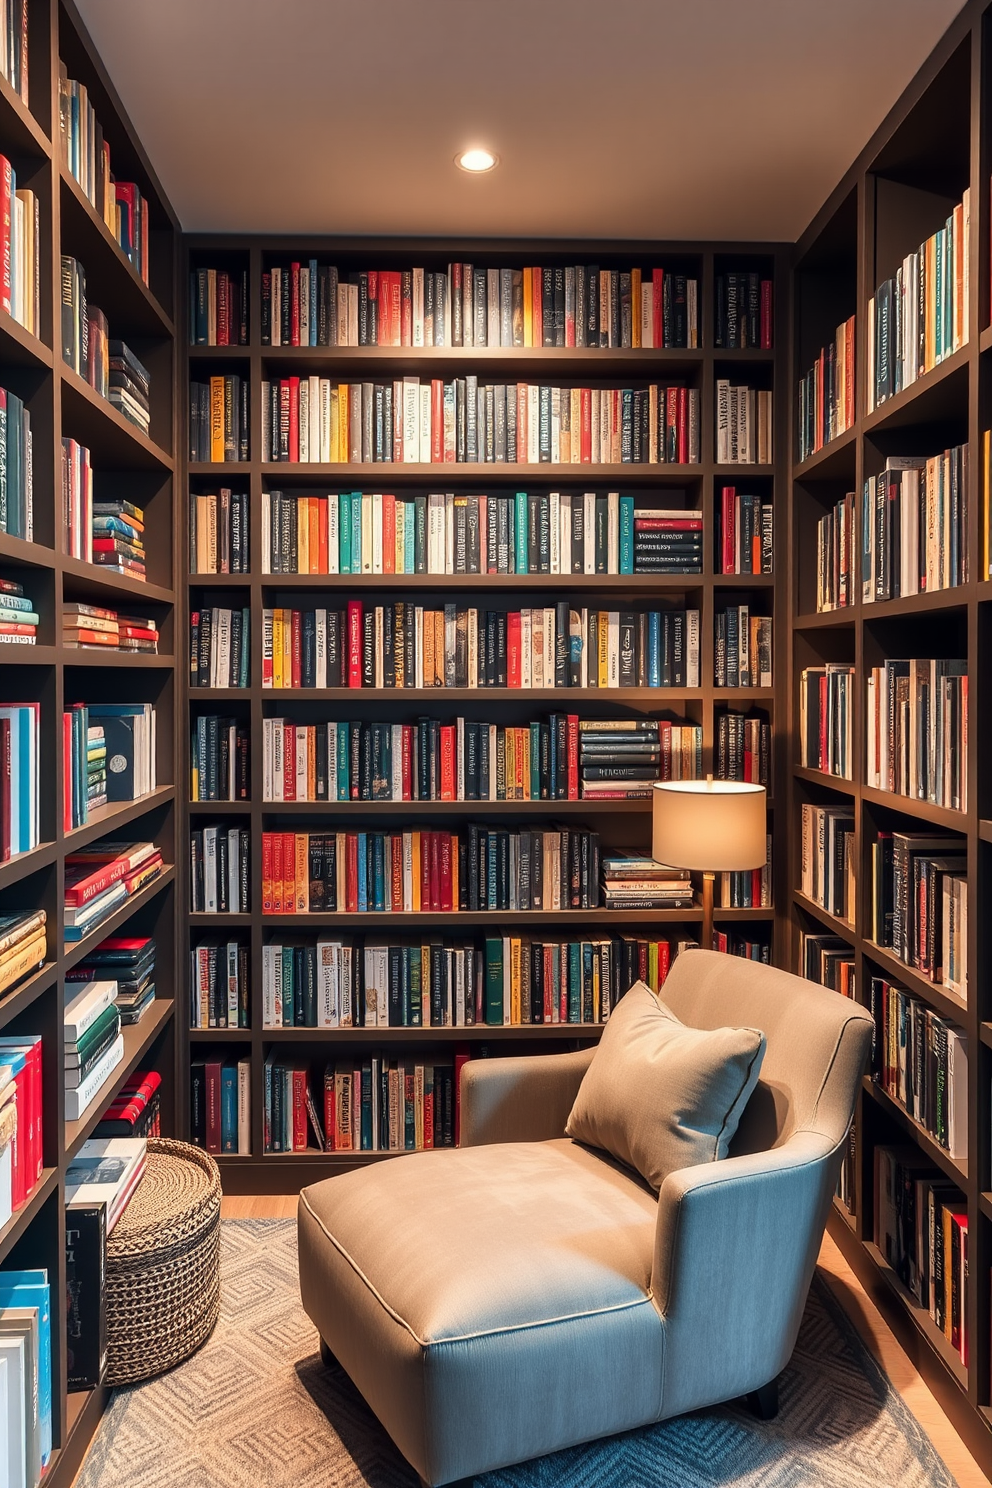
[(713, 826), (476, 161)]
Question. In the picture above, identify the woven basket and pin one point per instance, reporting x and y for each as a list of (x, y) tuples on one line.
[(163, 1265)]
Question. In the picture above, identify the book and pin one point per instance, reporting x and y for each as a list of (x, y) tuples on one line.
[(106, 1170), (826, 719), (220, 647), (219, 531), (218, 307), (743, 424), (744, 311), (218, 420), (220, 759)]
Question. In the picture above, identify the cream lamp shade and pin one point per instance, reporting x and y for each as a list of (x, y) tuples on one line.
[(714, 826)]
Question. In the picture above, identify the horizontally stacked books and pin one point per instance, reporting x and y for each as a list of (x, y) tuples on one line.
[(102, 877), (22, 946), (130, 963), (621, 758), (634, 880), (93, 1045), (118, 537), (130, 386), (19, 620), (91, 625)]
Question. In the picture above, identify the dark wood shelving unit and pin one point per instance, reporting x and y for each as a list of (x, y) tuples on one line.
[(56, 675), (620, 823)]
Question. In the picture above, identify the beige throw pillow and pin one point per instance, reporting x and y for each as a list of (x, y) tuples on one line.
[(660, 1096)]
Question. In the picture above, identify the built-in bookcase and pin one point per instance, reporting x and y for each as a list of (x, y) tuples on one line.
[(125, 463), (932, 149), (697, 486)]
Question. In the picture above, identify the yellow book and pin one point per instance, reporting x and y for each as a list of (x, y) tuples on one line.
[(515, 949), (287, 648), (217, 420), (303, 534), (635, 307), (22, 959), (510, 749), (653, 965), (333, 421), (313, 506), (528, 307), (603, 648), (277, 629), (342, 454), (415, 854), (425, 986), (311, 764), (528, 794), (302, 874)]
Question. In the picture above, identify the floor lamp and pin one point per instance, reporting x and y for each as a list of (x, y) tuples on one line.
[(711, 826)]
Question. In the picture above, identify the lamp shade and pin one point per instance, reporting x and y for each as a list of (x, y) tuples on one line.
[(714, 826)]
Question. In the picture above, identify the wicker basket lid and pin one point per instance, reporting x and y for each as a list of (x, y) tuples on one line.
[(179, 1193)]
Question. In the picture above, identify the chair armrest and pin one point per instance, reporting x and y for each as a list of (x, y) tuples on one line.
[(519, 1100), (735, 1247)]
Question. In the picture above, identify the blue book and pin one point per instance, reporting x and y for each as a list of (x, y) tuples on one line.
[(574, 981), (31, 1289), (654, 648), (17, 602), (17, 617), (344, 534), (363, 872), (378, 872), (356, 532), (410, 538), (626, 534), (521, 559), (366, 1108), (313, 302), (229, 1108), (344, 763), (288, 988)]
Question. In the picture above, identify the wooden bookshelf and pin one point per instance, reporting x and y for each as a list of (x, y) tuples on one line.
[(619, 823), (60, 404), (934, 143)]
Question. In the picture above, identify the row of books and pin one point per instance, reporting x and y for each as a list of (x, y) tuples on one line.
[(743, 749), (826, 393), (921, 1061), (920, 316), (23, 942), (105, 629), (86, 156), (14, 45), (409, 421), (20, 250), (219, 985), (219, 532), (742, 648), (20, 780), (916, 728), (745, 533), (109, 533), (220, 759), (103, 876), (22, 1087), (93, 1045), (744, 313), (827, 960), (26, 1375), (828, 867), (108, 365), (826, 719), (921, 1229), (220, 1106), (218, 419), (421, 871), (218, 308), (129, 963), (219, 647), (16, 467), (109, 754), (748, 888), (382, 1106), (919, 904), (220, 870), (406, 646), (501, 981), (837, 547), (743, 424), (914, 526), (311, 304), (539, 532)]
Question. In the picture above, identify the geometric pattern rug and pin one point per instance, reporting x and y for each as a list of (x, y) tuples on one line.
[(255, 1408)]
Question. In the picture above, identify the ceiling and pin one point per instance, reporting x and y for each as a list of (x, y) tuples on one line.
[(633, 118)]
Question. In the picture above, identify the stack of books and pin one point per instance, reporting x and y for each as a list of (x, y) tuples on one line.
[(128, 961), (634, 880), (745, 533), (93, 1044), (744, 316), (220, 991), (21, 1068), (826, 393), (16, 468), (20, 243), (102, 877), (743, 424), (218, 530), (106, 1170), (91, 625), (218, 308), (19, 620), (129, 386), (220, 759), (667, 541), (742, 649), (95, 733), (118, 541), (136, 1111), (914, 525), (220, 647), (621, 758), (921, 1229), (917, 729), (220, 870), (22, 946), (218, 420), (220, 1106), (26, 1366), (20, 730), (837, 555)]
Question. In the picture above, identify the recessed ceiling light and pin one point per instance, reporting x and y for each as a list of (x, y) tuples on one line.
[(477, 161)]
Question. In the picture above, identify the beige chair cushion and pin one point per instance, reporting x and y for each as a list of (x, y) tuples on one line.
[(659, 1096)]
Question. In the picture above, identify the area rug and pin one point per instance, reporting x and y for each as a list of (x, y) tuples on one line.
[(255, 1408)]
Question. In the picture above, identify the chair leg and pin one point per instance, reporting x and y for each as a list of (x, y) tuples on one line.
[(326, 1357), (763, 1403)]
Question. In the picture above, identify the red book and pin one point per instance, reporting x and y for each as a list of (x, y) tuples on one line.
[(395, 309), (351, 872), (297, 651), (437, 421), (657, 286), (289, 873), (664, 961), (434, 854), (682, 425), (211, 1079), (289, 761), (275, 839), (354, 643), (388, 534), (88, 886), (766, 321), (150, 868), (396, 875), (6, 208), (462, 1056), (299, 1079), (322, 556), (294, 304), (294, 418), (585, 444), (548, 979), (268, 906), (513, 648), (456, 280), (407, 762), (425, 871), (447, 762), (537, 313), (823, 744), (756, 888), (642, 960), (406, 310), (669, 524), (572, 737), (728, 511)]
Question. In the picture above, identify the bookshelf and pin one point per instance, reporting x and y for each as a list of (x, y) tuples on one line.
[(933, 146), (621, 824), (125, 462)]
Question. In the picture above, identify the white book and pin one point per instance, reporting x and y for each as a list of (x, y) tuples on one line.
[(692, 648), (425, 423), (85, 1008), (232, 979), (722, 421), (613, 532), (367, 530), (418, 307), (328, 983), (320, 648), (556, 426), (407, 872), (244, 1107), (564, 534), (492, 307), (376, 533), (303, 435), (233, 869), (314, 411), (554, 503), (647, 313), (396, 761), (14, 1435), (957, 1103), (267, 726), (278, 758), (210, 870), (595, 424), (533, 424), (324, 425), (589, 532), (411, 420), (77, 1100), (221, 648), (549, 646)]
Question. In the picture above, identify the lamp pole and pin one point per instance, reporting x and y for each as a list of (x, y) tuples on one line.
[(707, 936)]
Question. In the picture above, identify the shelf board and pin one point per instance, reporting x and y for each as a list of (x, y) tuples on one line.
[(821, 777), (954, 1168), (116, 814), (985, 339), (197, 352), (19, 128), (930, 398), (938, 816), (985, 830), (830, 921), (138, 1039), (17, 998), (219, 1035), (110, 277), (425, 918), (219, 808), (25, 554), (647, 363), (948, 1004), (985, 1034), (476, 1032), (623, 583), (100, 656), (920, 1316), (952, 598), (27, 655), (25, 863), (835, 461), (80, 577), (453, 808), (115, 443), (75, 951), (19, 1221), (19, 347), (441, 472), (659, 696), (826, 619)]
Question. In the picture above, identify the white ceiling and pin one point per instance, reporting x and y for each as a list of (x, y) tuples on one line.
[(614, 118)]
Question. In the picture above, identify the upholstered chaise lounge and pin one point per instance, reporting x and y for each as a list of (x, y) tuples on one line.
[(524, 1293)]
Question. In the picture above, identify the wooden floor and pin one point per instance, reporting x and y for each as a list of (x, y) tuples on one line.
[(849, 1293)]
